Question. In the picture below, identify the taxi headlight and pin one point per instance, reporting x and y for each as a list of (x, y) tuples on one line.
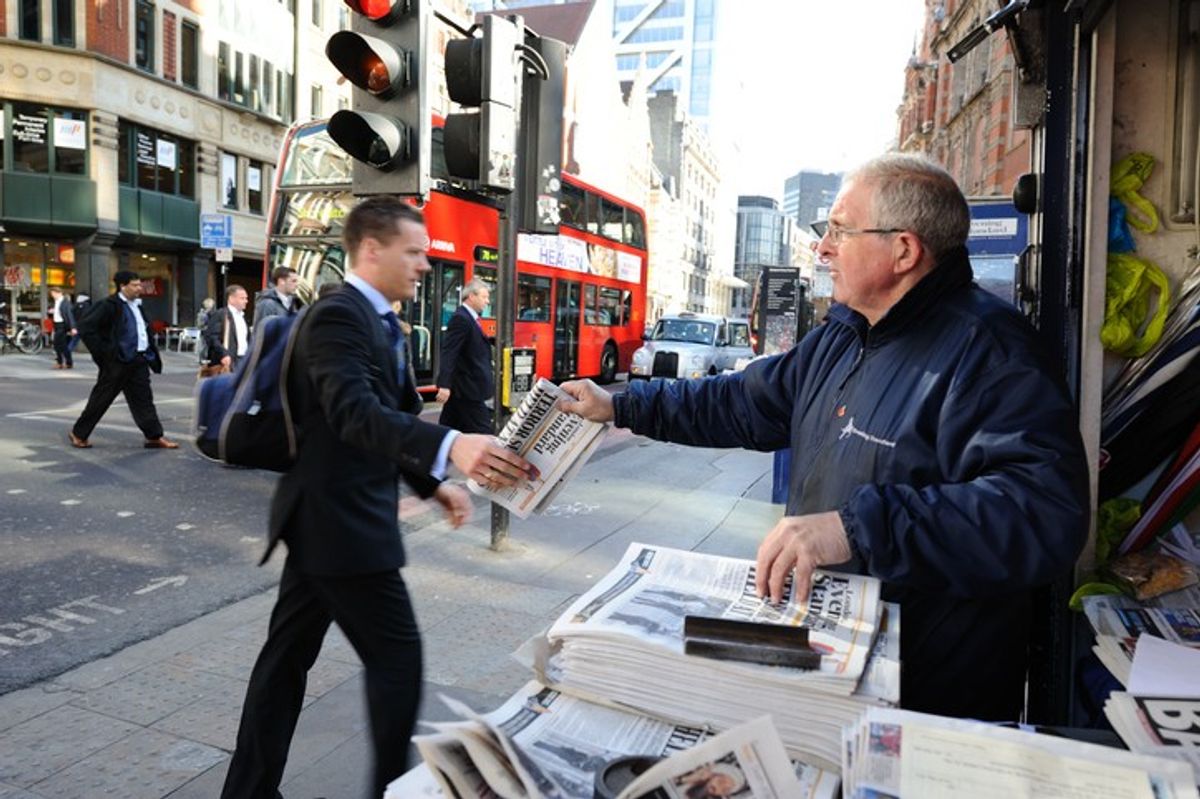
[(641, 355)]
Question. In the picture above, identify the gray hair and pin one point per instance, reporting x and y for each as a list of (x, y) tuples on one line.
[(913, 193), (475, 286)]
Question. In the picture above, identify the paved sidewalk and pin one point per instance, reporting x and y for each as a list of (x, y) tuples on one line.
[(158, 719)]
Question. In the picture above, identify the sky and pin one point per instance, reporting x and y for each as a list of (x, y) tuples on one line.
[(819, 82)]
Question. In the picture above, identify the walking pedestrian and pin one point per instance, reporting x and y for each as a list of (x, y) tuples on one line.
[(280, 299), (63, 317), (464, 380), (227, 337), (353, 393), (119, 340)]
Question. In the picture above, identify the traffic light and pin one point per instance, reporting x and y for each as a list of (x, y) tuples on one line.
[(387, 130), (481, 75), (541, 138)]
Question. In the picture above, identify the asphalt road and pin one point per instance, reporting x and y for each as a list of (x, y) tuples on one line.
[(107, 546)]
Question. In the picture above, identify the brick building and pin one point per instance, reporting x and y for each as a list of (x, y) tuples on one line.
[(961, 114)]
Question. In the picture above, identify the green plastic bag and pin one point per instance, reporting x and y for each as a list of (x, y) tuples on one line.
[(1129, 328)]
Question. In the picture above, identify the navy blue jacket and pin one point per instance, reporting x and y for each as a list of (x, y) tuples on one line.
[(466, 363), (951, 451)]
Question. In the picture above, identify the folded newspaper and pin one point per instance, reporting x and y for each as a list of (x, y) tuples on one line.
[(903, 755), (621, 644), (1118, 620), (542, 743), (557, 443), (1160, 725)]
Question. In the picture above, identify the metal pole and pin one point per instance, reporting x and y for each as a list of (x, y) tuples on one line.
[(506, 304)]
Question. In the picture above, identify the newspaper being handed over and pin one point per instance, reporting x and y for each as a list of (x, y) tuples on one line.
[(557, 443), (545, 743)]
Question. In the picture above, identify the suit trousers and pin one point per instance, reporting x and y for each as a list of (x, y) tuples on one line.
[(62, 341), (132, 379), (375, 613), (466, 416)]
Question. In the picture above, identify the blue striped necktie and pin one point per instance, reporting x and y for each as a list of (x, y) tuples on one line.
[(393, 323)]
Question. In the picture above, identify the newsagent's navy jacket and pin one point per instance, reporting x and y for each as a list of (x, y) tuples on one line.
[(952, 453)]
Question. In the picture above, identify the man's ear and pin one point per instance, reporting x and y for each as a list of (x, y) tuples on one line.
[(908, 252)]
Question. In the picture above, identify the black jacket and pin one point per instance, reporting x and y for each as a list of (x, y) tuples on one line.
[(337, 508), (67, 311), (466, 361), (220, 336), (100, 329), (950, 447)]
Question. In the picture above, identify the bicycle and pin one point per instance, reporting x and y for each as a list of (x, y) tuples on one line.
[(26, 339)]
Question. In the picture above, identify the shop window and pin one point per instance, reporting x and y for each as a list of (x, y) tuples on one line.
[(254, 182), (64, 23), (189, 54), (224, 89), (533, 298), (31, 20), (30, 138), (70, 142), (44, 139), (229, 181), (143, 51)]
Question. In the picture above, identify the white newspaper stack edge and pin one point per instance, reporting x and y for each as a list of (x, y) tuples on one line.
[(903, 754), (557, 443), (1119, 620), (1162, 726), (621, 643)]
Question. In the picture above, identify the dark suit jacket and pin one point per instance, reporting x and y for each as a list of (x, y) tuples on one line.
[(337, 508), (466, 363), (100, 329), (67, 311), (220, 336)]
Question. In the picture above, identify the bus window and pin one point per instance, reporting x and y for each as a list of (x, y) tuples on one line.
[(590, 316), (593, 213), (488, 275), (572, 206), (626, 307), (635, 229), (613, 219), (609, 312), (533, 298)]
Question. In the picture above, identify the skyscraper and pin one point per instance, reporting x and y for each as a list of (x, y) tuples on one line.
[(807, 196)]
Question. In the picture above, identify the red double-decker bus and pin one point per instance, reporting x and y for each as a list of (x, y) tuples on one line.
[(580, 293)]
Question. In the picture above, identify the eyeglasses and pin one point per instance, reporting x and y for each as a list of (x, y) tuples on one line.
[(837, 234)]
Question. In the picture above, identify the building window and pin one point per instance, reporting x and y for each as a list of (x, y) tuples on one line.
[(44, 139), (31, 20), (155, 161), (254, 181), (255, 94), (316, 101), (239, 79), (229, 181), (64, 22), (268, 86), (189, 55), (316, 12), (224, 89), (144, 36)]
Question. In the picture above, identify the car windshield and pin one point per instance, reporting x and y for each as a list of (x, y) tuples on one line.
[(684, 330)]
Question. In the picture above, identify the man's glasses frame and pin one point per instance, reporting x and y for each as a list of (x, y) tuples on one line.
[(838, 234)]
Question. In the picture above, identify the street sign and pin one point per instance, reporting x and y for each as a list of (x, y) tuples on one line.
[(216, 231), (224, 254)]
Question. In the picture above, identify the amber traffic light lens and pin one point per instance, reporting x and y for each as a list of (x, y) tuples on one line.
[(378, 79)]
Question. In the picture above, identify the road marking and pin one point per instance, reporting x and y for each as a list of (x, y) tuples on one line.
[(16, 491), (71, 502), (162, 582), (77, 408), (185, 526), (124, 513), (36, 627)]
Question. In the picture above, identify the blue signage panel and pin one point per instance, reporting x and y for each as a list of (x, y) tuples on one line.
[(216, 231), (998, 235)]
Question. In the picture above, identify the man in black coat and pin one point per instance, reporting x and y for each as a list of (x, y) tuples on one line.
[(280, 299), (353, 395), (120, 342), (226, 334), (465, 381), (63, 316)]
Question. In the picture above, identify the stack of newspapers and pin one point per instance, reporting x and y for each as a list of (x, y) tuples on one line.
[(1158, 725), (1119, 620), (896, 753), (622, 644), (557, 443), (542, 743)]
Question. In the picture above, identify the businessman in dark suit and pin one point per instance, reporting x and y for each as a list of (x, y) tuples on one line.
[(354, 397), (465, 381), (121, 345), (226, 334), (63, 316)]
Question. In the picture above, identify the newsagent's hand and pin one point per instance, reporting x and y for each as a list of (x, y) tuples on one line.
[(801, 543), (591, 402), (456, 502), (487, 462)]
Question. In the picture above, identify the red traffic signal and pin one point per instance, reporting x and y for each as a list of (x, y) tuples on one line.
[(383, 12)]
